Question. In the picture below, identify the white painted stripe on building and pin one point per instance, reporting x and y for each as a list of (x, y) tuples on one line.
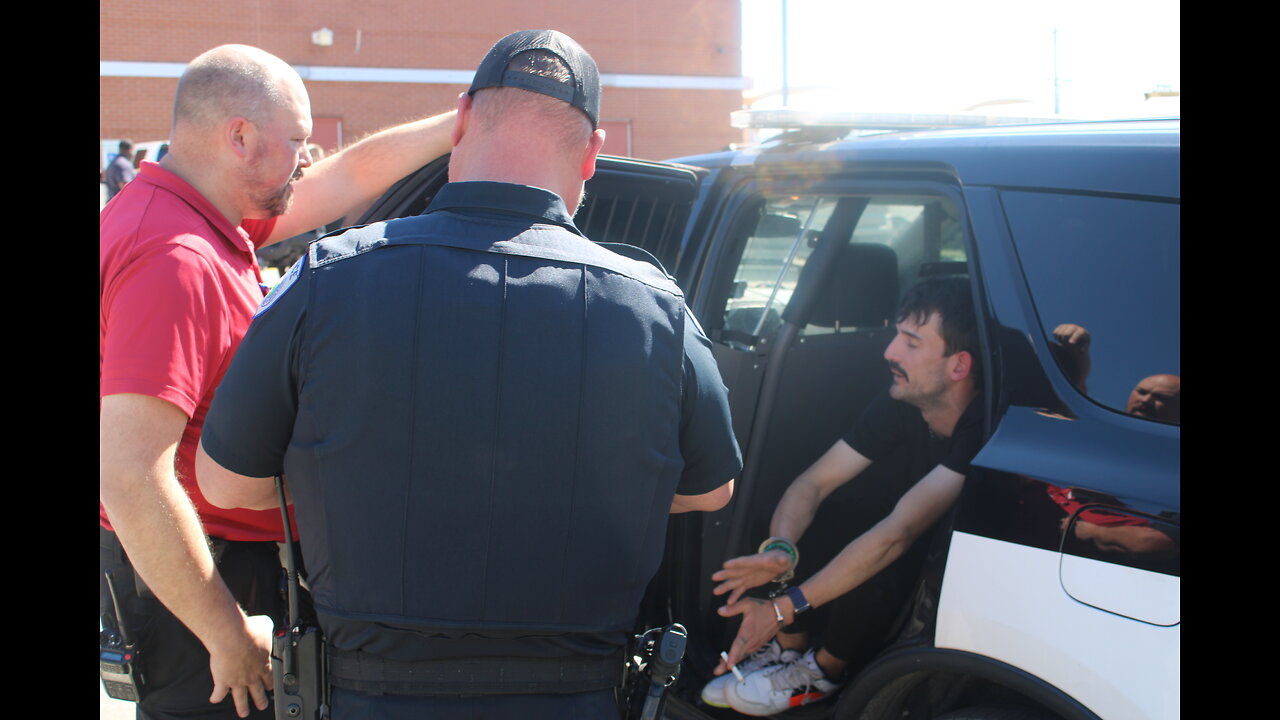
[(675, 82), (110, 68), (327, 73), (428, 76)]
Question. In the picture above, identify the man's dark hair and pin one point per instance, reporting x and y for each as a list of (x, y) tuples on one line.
[(125, 145), (951, 299)]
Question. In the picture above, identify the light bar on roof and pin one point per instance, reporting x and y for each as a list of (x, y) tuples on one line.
[(784, 119)]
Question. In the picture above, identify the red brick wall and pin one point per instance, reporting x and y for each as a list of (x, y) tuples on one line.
[(137, 108), (649, 37)]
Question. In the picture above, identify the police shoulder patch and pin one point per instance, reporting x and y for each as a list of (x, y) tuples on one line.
[(285, 283)]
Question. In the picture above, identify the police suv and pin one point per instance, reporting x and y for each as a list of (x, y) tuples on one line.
[(1052, 589)]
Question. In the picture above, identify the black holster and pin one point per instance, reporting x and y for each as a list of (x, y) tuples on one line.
[(658, 655), (300, 669)]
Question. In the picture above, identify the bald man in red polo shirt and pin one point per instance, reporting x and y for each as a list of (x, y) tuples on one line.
[(179, 286)]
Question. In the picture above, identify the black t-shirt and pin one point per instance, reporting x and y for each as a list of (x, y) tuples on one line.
[(887, 425), (894, 436)]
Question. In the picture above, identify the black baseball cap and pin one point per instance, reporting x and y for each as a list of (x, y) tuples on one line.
[(582, 92)]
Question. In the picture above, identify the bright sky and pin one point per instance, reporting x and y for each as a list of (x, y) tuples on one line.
[(944, 56)]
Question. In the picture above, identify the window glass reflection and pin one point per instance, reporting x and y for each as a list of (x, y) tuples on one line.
[(772, 260), (1104, 276)]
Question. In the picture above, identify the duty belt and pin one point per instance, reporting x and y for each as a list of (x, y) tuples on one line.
[(372, 674)]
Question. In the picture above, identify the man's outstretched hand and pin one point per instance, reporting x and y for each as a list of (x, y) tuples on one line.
[(743, 573), (759, 626), (242, 666)]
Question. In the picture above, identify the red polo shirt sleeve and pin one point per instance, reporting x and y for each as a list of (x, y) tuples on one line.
[(168, 322), (170, 330)]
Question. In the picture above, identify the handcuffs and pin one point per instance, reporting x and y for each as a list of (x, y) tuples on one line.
[(798, 599)]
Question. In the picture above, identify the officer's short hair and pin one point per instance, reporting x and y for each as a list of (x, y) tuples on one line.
[(494, 105), (952, 300)]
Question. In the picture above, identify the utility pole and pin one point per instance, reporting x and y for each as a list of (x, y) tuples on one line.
[(784, 53), (1056, 109)]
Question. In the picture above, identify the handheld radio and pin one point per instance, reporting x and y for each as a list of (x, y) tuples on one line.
[(118, 656), (298, 653)]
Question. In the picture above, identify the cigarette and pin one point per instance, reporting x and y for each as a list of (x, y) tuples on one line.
[(736, 673)]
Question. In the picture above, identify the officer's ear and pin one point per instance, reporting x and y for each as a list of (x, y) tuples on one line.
[(594, 145), (462, 119)]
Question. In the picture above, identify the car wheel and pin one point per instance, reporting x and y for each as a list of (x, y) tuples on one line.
[(994, 713)]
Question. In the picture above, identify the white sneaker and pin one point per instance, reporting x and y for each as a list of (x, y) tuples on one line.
[(780, 687), (770, 653)]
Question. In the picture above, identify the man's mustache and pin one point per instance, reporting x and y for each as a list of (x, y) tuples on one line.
[(895, 367)]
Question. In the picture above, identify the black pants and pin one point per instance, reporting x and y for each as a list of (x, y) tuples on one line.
[(856, 626), (174, 661)]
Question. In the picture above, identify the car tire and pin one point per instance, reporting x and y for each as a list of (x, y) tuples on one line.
[(995, 713)]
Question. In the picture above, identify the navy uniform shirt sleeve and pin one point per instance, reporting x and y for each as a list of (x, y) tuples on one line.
[(250, 421), (710, 450)]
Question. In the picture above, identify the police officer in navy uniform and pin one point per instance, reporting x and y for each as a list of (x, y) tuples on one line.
[(483, 418)]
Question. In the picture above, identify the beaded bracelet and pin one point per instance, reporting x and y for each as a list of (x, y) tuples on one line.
[(786, 546)]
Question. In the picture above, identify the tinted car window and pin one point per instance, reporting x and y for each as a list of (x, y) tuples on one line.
[(915, 232), (772, 261), (1104, 276)]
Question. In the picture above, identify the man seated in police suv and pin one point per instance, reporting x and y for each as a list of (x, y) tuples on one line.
[(483, 419), (932, 412)]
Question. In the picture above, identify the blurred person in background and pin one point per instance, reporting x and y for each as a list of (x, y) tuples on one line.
[(121, 169)]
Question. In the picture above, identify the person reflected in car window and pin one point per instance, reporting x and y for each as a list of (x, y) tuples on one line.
[(1072, 353), (1158, 397), (1088, 517)]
